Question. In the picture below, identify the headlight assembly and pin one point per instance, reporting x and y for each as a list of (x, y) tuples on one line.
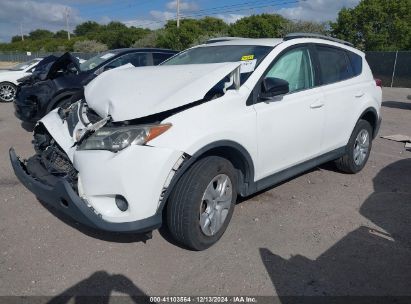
[(117, 138)]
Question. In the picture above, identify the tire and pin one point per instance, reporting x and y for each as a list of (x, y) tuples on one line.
[(187, 219), (358, 152), (7, 92)]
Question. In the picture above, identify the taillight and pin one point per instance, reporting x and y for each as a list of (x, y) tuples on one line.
[(378, 82)]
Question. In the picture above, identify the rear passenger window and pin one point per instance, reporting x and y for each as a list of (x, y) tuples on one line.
[(356, 63), (334, 65)]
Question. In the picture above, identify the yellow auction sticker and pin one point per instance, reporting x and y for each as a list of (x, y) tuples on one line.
[(247, 57)]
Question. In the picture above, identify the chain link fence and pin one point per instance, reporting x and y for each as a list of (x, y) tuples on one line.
[(393, 68)]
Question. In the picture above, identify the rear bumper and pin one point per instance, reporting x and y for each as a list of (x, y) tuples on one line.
[(62, 197)]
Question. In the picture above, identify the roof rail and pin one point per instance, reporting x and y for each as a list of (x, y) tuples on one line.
[(318, 36), (223, 39)]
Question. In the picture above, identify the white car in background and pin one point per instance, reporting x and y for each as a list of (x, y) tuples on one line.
[(182, 140), (9, 77)]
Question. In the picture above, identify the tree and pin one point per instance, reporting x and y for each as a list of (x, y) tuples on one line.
[(62, 34), (376, 25), (89, 46), (86, 28), (40, 34), (304, 27), (259, 26)]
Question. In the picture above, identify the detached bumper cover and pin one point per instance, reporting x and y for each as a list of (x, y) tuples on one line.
[(62, 197)]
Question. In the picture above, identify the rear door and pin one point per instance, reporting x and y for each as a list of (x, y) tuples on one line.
[(343, 90), (289, 127)]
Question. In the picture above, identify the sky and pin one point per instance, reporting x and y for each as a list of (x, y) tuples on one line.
[(27, 15)]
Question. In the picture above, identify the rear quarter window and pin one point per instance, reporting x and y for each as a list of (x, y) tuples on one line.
[(356, 63), (335, 65)]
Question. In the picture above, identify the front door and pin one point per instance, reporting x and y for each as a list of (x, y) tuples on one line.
[(290, 127)]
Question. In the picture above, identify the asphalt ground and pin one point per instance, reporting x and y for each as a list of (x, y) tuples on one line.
[(321, 233)]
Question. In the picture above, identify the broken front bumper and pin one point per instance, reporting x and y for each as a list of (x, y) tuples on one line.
[(59, 194)]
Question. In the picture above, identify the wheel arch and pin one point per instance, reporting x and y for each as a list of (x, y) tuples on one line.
[(230, 150), (370, 114), (59, 97)]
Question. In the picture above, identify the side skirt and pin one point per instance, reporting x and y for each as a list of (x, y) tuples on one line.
[(281, 176)]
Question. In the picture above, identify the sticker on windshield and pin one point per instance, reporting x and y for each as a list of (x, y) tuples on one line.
[(247, 57), (107, 56), (248, 66)]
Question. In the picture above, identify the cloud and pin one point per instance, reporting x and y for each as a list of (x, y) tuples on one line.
[(33, 15), (230, 18), (184, 5), (144, 23), (316, 10)]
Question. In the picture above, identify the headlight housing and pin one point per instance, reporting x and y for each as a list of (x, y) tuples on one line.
[(118, 138)]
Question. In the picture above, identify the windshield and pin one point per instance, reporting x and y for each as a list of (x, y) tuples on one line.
[(97, 60), (250, 56), (24, 65)]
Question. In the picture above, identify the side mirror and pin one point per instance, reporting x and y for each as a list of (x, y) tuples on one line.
[(272, 87)]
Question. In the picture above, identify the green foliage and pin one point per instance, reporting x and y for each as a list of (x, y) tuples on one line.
[(372, 25), (190, 32), (40, 34), (62, 34), (376, 25), (259, 26), (304, 27), (89, 46), (148, 41), (87, 28)]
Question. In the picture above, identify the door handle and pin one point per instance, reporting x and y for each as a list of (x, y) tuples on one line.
[(359, 94), (317, 105)]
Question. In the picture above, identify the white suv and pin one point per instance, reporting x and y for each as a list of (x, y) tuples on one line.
[(182, 140)]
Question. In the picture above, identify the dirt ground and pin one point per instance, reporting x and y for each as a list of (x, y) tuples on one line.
[(6, 64), (322, 233)]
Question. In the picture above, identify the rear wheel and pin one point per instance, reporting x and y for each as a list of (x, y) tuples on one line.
[(202, 203), (7, 92), (358, 149)]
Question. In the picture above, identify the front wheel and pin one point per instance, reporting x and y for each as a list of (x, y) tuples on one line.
[(7, 92), (358, 149), (202, 203)]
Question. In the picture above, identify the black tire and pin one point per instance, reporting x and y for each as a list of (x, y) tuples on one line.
[(185, 202), (12, 86), (347, 162)]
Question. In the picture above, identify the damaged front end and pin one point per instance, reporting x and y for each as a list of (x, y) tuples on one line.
[(36, 91), (94, 161), (101, 189)]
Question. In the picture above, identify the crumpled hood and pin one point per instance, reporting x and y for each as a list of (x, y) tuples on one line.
[(48, 67), (132, 93)]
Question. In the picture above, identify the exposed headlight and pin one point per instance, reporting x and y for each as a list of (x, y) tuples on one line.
[(117, 138)]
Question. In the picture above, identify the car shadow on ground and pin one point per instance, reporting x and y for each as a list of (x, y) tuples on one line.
[(98, 288), (97, 234), (367, 261), (397, 105)]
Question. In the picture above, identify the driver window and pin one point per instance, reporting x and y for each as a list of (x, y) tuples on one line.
[(294, 67)]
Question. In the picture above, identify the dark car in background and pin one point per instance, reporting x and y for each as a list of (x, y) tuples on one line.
[(56, 80)]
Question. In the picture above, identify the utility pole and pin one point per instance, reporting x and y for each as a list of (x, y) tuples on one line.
[(178, 13), (21, 32), (67, 24)]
